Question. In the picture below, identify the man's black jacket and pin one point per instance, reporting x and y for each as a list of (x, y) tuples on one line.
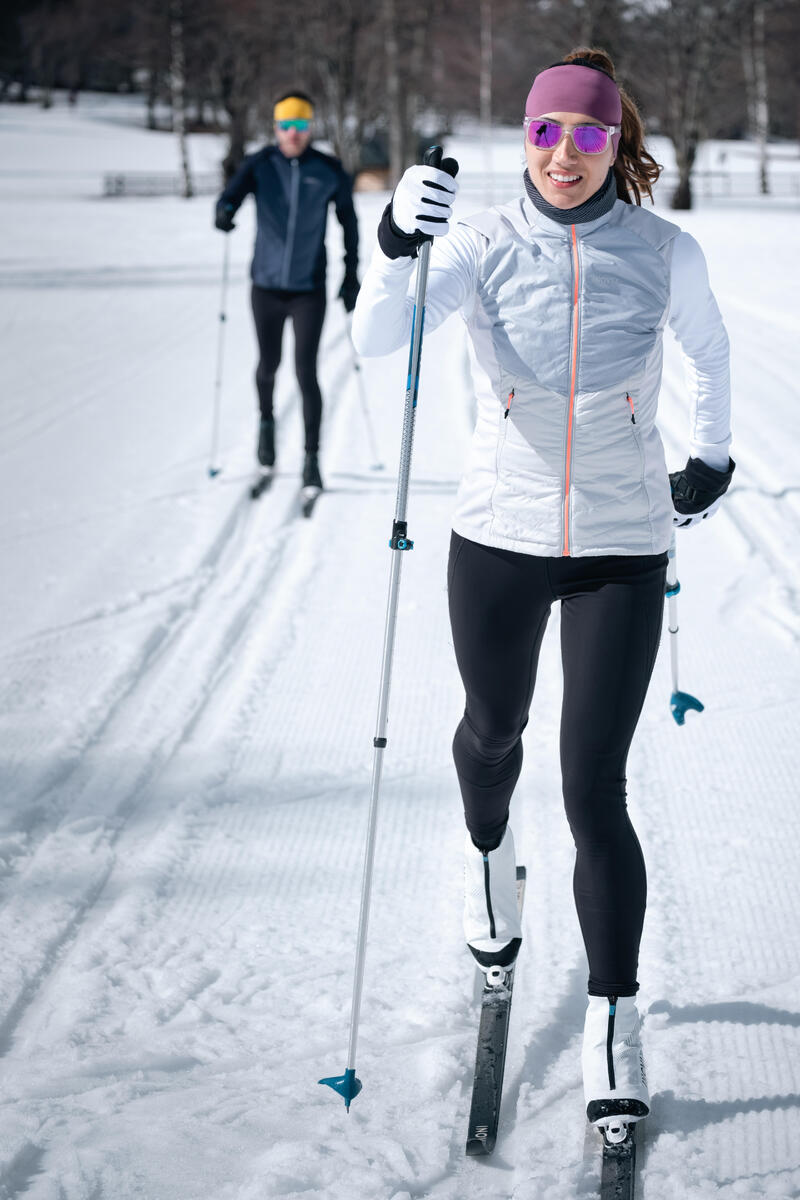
[(292, 197)]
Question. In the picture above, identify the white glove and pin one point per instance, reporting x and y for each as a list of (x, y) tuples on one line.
[(423, 201), (687, 520)]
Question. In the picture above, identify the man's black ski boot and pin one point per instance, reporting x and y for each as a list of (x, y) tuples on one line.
[(311, 475), (266, 442)]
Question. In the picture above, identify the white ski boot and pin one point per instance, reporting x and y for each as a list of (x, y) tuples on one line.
[(614, 1079), (491, 917)]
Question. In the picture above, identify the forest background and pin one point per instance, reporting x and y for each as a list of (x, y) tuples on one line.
[(387, 76)]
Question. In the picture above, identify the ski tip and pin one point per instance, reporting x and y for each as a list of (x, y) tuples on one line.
[(347, 1085), (680, 703)]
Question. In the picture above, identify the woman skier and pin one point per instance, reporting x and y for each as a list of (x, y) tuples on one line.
[(565, 292)]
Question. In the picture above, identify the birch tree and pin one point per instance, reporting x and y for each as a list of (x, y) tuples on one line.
[(681, 58), (754, 62), (178, 87)]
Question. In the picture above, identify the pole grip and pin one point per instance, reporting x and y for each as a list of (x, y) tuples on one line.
[(433, 158)]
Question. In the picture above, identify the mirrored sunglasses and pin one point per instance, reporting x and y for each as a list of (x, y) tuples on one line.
[(301, 124), (587, 139)]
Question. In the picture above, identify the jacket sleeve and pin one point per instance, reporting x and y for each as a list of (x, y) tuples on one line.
[(241, 183), (385, 306), (346, 215), (697, 324)]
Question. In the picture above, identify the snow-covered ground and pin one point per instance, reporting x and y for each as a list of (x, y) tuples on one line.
[(189, 683)]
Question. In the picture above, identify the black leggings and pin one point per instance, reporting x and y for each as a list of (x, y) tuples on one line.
[(307, 310), (611, 615)]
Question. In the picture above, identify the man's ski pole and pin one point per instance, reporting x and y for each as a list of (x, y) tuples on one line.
[(213, 466), (679, 702), (347, 1085), (377, 465)]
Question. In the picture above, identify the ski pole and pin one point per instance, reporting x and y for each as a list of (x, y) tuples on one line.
[(377, 465), (213, 467), (679, 702), (347, 1085)]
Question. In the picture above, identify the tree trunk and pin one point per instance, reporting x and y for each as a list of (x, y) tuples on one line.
[(486, 100), (178, 91), (761, 98), (414, 80), (338, 70), (689, 29), (748, 61), (152, 97), (685, 154), (394, 102), (237, 141)]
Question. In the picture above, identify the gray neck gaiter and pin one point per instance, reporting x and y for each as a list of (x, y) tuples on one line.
[(596, 206)]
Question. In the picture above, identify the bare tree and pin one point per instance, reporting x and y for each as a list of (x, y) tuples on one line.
[(754, 62), (600, 24), (178, 84), (408, 49), (241, 48), (396, 110), (344, 37), (486, 97), (683, 55)]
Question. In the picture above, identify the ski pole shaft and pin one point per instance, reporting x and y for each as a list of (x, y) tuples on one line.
[(673, 587), (213, 467), (348, 1085), (398, 543), (680, 702), (377, 465)]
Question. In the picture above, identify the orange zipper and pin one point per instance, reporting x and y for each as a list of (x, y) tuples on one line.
[(508, 406), (573, 377), (633, 412)]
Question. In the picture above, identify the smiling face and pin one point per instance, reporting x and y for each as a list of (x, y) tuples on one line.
[(563, 176)]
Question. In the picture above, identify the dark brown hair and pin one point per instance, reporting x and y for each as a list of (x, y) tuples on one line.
[(294, 94), (634, 169)]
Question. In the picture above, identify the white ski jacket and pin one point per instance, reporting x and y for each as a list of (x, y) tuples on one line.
[(565, 328)]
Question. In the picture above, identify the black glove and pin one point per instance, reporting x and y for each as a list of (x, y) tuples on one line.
[(348, 292), (224, 217), (393, 242), (697, 490)]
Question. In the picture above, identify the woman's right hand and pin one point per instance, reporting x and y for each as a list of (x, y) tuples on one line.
[(423, 201)]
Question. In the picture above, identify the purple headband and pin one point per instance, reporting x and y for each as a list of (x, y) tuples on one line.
[(576, 89)]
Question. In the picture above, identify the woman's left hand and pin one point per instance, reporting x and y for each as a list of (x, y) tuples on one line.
[(697, 491)]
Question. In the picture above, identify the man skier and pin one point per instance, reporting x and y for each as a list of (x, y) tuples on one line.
[(293, 184)]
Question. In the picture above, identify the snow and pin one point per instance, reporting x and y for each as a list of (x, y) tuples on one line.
[(189, 686)]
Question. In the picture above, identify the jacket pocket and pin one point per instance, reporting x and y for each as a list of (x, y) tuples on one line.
[(636, 432), (632, 407)]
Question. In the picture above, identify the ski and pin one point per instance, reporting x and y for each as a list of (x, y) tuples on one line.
[(618, 1174), (262, 484), (490, 1057), (309, 497)]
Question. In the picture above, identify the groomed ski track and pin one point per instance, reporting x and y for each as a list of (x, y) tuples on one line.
[(189, 684)]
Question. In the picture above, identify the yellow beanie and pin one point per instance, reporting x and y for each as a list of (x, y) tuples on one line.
[(293, 108)]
